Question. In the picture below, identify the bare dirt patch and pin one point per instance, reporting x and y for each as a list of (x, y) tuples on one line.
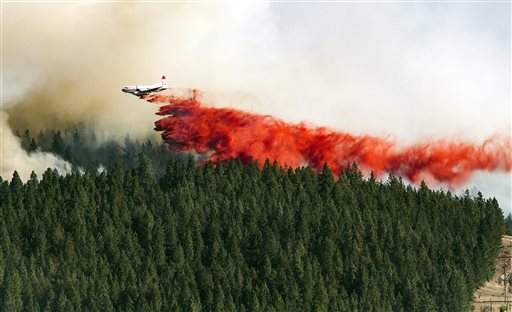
[(496, 293)]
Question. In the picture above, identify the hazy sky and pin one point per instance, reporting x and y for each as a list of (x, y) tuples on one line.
[(406, 71)]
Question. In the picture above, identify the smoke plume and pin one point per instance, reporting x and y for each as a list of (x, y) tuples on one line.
[(225, 133), (13, 156), (415, 72)]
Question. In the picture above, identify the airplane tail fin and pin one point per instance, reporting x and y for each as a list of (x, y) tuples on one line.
[(164, 82)]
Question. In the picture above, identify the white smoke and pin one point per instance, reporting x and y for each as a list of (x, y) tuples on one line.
[(411, 71), (13, 157)]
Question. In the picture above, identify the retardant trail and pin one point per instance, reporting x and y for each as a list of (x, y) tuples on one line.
[(223, 133)]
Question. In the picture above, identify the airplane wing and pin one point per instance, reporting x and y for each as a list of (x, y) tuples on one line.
[(148, 88)]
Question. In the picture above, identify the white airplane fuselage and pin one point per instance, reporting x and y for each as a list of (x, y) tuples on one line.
[(140, 90)]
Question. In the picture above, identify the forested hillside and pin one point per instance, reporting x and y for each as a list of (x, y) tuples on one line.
[(234, 237)]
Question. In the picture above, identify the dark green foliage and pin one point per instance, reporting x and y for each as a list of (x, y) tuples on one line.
[(85, 150), (232, 237), (508, 224)]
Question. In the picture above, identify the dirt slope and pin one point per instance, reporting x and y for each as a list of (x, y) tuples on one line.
[(491, 296)]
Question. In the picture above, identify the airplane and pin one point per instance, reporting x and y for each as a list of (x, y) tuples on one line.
[(140, 91)]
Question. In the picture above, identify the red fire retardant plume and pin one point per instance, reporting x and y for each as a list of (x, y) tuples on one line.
[(224, 133)]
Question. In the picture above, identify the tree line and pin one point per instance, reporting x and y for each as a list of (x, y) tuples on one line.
[(87, 150)]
